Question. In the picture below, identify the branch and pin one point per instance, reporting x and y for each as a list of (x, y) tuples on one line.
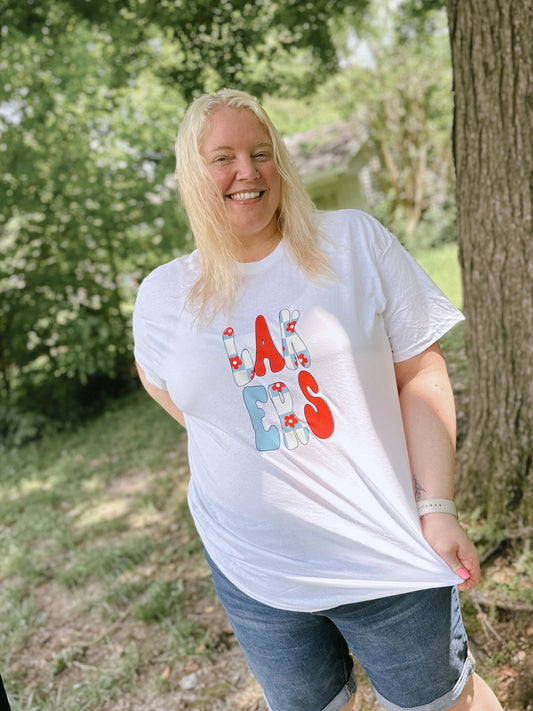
[(524, 532), (502, 601), (390, 165)]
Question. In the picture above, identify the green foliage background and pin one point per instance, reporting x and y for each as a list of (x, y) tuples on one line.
[(90, 101)]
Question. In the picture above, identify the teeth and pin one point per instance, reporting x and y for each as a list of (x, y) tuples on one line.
[(244, 196)]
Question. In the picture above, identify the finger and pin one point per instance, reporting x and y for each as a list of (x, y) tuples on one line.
[(458, 566), (467, 585), (464, 568), (470, 562), (470, 573)]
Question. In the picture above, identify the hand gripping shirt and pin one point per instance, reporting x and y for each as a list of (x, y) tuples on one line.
[(300, 482)]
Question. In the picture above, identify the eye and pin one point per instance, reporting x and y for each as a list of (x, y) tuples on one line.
[(220, 159)]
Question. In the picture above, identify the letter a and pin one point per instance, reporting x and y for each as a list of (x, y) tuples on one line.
[(265, 348)]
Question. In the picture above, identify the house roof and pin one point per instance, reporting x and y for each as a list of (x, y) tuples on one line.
[(326, 149)]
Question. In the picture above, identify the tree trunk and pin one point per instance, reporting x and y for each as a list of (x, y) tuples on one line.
[(492, 54)]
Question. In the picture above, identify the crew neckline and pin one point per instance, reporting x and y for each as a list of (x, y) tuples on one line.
[(261, 264)]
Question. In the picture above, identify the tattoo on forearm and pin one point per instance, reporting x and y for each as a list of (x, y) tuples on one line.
[(419, 489)]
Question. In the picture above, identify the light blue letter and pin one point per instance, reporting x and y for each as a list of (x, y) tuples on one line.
[(265, 440)]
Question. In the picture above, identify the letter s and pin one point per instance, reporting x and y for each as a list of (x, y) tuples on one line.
[(318, 414)]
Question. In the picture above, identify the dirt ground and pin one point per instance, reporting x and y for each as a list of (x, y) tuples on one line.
[(74, 644), (502, 642), (215, 682)]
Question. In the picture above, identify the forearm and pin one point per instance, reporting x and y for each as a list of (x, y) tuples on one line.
[(428, 413)]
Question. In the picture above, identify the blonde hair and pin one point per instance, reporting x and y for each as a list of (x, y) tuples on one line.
[(216, 243)]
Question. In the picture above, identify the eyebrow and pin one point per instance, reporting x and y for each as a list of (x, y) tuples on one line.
[(266, 144)]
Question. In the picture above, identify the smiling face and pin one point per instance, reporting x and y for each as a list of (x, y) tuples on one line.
[(240, 157)]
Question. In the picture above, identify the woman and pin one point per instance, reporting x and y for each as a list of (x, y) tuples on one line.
[(301, 353)]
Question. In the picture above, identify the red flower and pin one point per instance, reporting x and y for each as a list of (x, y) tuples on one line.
[(278, 387), (303, 360), (235, 362), (291, 326), (228, 332), (291, 421)]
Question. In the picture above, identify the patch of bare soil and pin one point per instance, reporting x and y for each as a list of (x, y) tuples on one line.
[(74, 644), (501, 636)]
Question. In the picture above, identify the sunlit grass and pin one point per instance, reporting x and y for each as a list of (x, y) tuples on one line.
[(442, 265), (95, 521)]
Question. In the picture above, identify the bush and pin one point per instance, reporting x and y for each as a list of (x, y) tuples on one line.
[(17, 427), (50, 405)]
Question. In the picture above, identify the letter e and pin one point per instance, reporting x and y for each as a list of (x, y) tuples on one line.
[(265, 440)]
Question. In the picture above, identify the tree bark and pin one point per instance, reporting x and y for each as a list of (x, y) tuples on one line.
[(492, 55)]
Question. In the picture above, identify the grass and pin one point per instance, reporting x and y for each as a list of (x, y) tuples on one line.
[(95, 532), (443, 267), (105, 597)]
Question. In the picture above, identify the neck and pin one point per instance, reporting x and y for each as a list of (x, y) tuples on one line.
[(253, 250)]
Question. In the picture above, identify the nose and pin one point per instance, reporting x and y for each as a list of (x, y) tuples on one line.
[(246, 169)]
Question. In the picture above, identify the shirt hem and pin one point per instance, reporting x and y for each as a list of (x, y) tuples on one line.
[(345, 599)]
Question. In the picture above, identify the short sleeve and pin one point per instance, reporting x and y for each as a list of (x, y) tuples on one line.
[(417, 313), (143, 351)]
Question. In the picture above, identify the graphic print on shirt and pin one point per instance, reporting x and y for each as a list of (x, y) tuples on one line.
[(296, 429)]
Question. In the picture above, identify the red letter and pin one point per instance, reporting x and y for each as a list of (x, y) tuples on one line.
[(265, 348), (319, 417)]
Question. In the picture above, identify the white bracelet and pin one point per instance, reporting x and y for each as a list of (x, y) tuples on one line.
[(436, 506)]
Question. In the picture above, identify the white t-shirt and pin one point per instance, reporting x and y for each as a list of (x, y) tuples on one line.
[(301, 488)]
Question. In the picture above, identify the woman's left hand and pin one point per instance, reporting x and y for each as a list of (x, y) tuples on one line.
[(448, 539)]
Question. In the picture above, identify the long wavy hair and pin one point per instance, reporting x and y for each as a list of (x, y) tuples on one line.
[(216, 243)]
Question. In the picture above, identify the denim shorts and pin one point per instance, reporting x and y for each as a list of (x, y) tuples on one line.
[(413, 648)]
